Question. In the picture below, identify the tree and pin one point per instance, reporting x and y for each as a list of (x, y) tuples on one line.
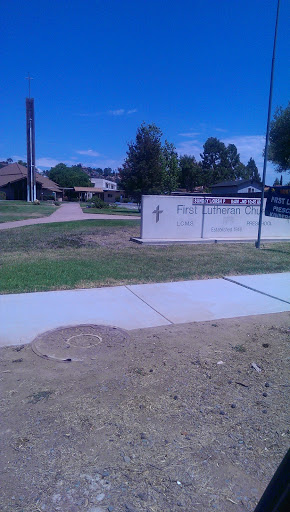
[(21, 162), (9, 160), (191, 172), (279, 182), (233, 161), (236, 169), (279, 139), (215, 162), (252, 172), (149, 168), (171, 171), (98, 172), (222, 163), (69, 176), (107, 172)]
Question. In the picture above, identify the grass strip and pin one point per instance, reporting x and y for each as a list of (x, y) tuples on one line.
[(112, 211), (98, 253), (19, 210)]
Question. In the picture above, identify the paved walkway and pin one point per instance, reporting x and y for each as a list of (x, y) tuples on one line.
[(24, 316), (66, 212)]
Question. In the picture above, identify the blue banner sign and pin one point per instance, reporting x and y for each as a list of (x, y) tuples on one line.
[(278, 203)]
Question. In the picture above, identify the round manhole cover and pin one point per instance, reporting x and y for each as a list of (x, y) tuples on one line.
[(77, 343)]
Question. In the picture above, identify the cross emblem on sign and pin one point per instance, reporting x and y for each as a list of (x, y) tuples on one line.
[(157, 211)]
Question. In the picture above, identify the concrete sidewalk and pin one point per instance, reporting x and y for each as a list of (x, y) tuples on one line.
[(24, 316), (66, 212)]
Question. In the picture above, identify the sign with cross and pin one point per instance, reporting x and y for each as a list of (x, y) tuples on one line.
[(157, 212)]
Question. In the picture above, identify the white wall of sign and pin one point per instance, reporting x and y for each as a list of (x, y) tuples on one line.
[(193, 217)]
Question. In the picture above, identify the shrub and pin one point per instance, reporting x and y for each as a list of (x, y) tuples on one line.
[(36, 201), (48, 197), (98, 203), (3, 196)]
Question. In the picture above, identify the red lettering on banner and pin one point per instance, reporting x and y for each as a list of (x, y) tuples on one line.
[(243, 201)]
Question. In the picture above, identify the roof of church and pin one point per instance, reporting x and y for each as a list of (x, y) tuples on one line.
[(235, 183), (15, 172)]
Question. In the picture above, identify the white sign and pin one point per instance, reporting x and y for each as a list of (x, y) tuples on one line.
[(191, 218), (170, 217)]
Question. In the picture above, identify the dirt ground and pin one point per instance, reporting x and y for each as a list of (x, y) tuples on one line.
[(168, 419)]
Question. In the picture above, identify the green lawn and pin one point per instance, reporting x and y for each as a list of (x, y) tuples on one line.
[(111, 211), (20, 210), (97, 253)]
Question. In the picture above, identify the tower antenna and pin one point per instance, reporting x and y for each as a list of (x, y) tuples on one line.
[(30, 141), (28, 78)]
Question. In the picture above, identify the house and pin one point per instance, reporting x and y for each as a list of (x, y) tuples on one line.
[(108, 196), (183, 192), (104, 184), (237, 187), (104, 189), (85, 193), (13, 181)]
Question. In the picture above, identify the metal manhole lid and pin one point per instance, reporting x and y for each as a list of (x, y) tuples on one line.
[(77, 343)]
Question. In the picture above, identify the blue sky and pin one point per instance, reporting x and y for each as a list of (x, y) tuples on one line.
[(196, 68)]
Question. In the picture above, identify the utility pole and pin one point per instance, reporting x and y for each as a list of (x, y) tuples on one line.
[(258, 242)]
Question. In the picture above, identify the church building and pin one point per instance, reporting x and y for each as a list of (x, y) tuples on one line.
[(13, 182)]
